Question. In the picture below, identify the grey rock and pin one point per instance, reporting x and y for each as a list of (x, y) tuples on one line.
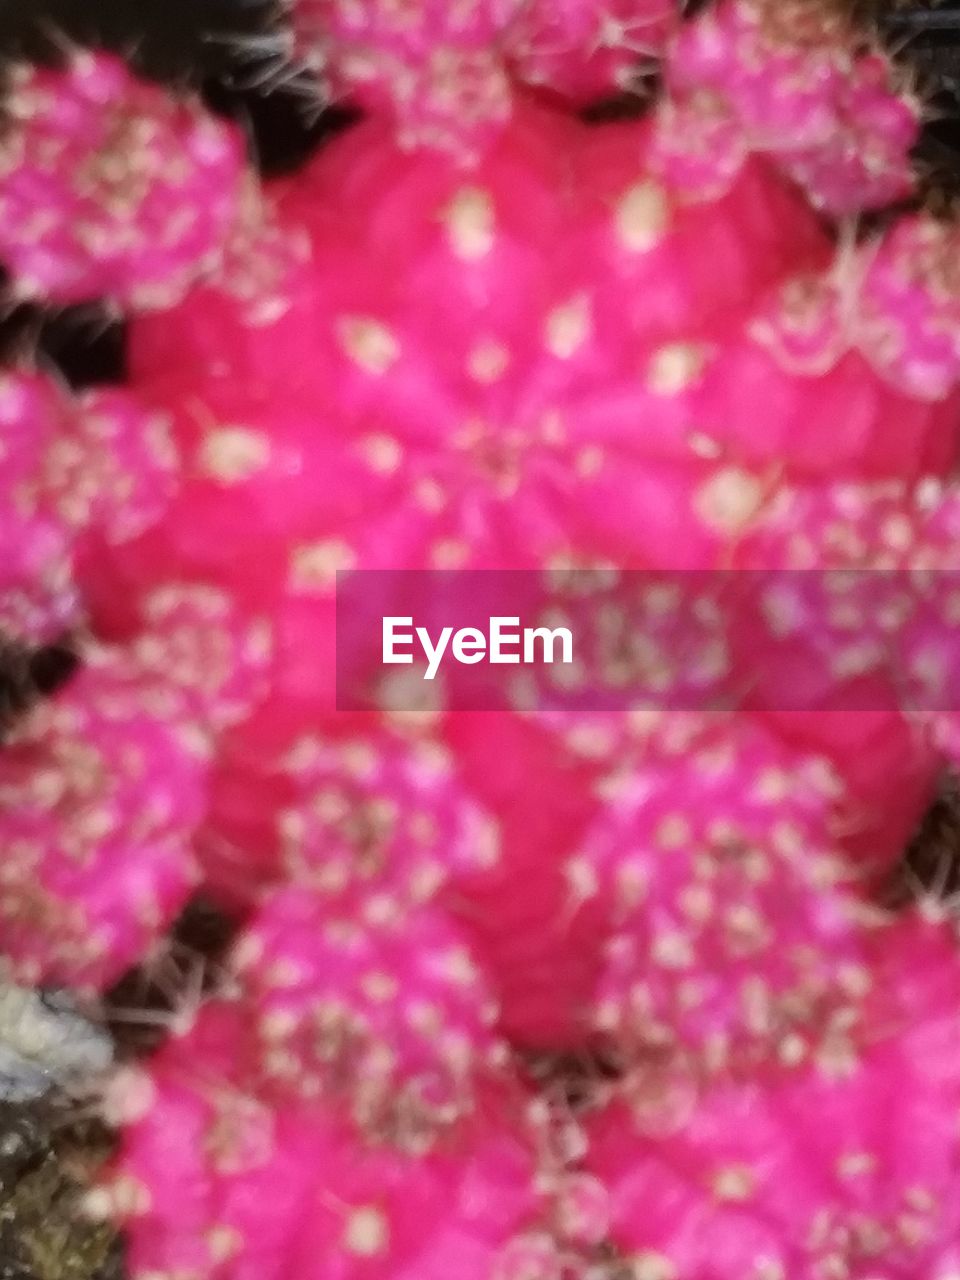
[(46, 1042)]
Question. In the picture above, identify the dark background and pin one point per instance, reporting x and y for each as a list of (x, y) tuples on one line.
[(174, 35)]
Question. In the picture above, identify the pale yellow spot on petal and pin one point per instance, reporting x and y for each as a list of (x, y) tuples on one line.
[(278, 1024), (653, 1266), (368, 343), (316, 564), (224, 1242), (367, 1232), (673, 832), (449, 553), (488, 361), (856, 1164), (383, 453), (581, 876), (769, 1269), (128, 1096), (405, 694), (672, 951), (456, 965), (734, 1184), (675, 367), (233, 454), (643, 215), (470, 223), (379, 987), (429, 495), (729, 500), (129, 1198), (569, 326)]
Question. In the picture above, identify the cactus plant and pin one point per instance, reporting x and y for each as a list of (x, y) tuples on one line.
[(479, 331)]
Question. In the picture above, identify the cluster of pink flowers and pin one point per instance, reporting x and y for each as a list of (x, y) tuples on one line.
[(514, 996)]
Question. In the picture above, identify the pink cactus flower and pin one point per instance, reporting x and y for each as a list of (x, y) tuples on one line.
[(100, 788), (109, 187), (381, 1007), (533, 993), (211, 1177), (850, 1165), (802, 86)]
